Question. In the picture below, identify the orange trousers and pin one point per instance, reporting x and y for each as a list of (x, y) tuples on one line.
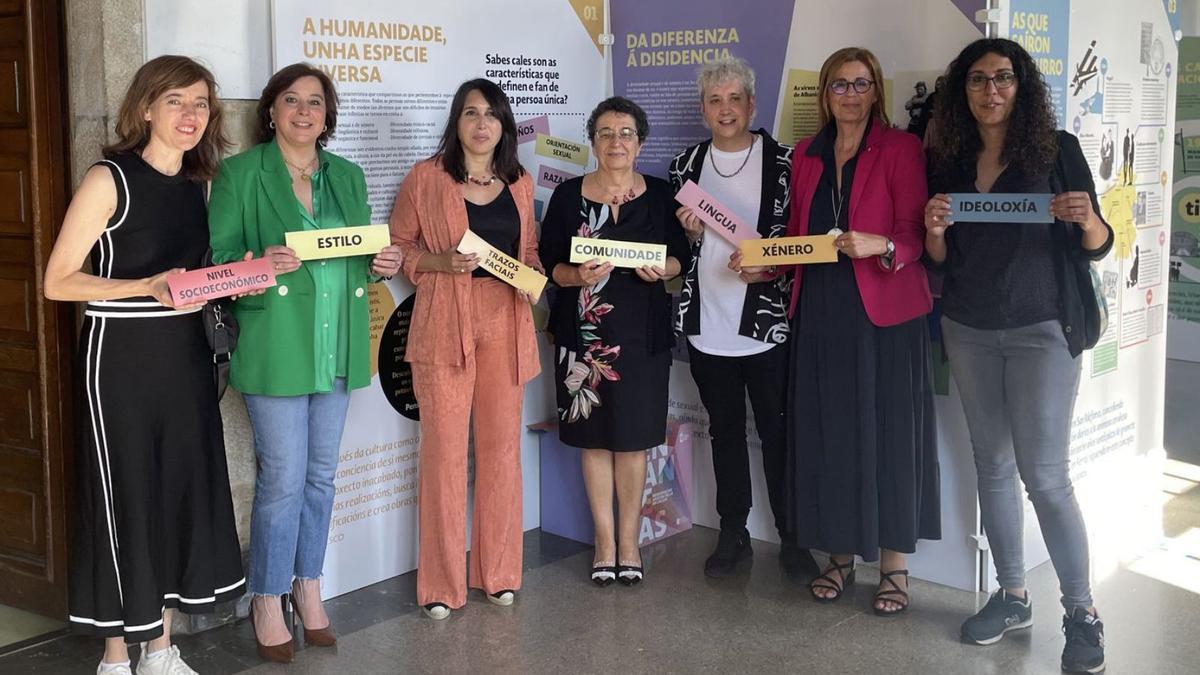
[(483, 392)]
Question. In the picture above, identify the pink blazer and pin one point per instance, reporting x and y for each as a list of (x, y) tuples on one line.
[(429, 216), (887, 197)]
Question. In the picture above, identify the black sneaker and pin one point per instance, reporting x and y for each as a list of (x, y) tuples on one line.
[(797, 562), (1002, 613), (732, 548), (1084, 651)]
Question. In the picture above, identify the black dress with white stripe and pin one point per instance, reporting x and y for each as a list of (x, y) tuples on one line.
[(155, 526)]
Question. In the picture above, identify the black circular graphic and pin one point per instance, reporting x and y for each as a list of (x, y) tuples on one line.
[(395, 375)]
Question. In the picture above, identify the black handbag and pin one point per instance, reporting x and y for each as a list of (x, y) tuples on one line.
[(221, 329)]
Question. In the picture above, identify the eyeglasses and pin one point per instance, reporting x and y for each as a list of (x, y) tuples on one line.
[(979, 82), (861, 86), (624, 134)]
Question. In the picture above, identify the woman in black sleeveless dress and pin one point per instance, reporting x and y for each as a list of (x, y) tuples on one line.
[(155, 528)]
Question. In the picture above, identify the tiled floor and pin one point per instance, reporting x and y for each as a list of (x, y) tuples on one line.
[(681, 622), (18, 626)]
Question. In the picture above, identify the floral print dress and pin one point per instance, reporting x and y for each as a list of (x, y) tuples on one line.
[(611, 377)]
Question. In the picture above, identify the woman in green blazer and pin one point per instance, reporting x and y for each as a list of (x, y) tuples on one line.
[(303, 344)]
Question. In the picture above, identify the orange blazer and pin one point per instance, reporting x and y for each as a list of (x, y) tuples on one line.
[(429, 216)]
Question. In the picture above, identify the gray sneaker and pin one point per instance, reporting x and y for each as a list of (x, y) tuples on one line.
[(1084, 651), (1002, 613)]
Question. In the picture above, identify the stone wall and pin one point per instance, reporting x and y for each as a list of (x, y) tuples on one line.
[(105, 46)]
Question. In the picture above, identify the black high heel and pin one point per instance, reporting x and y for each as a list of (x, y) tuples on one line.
[(603, 575), (630, 575)]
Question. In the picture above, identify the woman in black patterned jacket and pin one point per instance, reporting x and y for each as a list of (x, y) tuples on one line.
[(735, 321)]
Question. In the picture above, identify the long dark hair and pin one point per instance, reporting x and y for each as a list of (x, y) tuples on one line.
[(1030, 145), (156, 77), (504, 159), (279, 83)]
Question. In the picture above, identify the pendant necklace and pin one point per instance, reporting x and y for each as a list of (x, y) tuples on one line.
[(835, 198), (304, 172)]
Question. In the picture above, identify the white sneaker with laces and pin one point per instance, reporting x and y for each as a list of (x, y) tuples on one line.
[(122, 669), (170, 663)]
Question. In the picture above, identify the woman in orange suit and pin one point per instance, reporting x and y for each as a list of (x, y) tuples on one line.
[(471, 345)]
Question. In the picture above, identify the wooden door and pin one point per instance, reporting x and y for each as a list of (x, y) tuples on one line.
[(36, 335)]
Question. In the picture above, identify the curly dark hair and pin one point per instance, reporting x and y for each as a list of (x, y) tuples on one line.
[(621, 105), (1031, 147)]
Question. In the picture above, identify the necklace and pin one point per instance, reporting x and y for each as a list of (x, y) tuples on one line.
[(482, 182), (304, 172), (749, 151), (836, 198), (624, 198)]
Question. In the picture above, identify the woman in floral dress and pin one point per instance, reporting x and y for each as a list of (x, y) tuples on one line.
[(612, 329)]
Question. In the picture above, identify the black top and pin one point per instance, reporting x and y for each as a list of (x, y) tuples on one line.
[(828, 201), (1000, 275), (1069, 259), (160, 222), (648, 218), (498, 223)]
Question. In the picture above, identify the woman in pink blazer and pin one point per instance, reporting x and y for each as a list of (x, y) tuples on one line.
[(471, 345), (861, 423)]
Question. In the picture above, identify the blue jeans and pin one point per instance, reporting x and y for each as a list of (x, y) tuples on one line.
[(1018, 390), (296, 439)]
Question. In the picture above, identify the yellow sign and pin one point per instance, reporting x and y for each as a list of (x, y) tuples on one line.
[(817, 248), (561, 149), (338, 242), (591, 14), (505, 268), (620, 253)]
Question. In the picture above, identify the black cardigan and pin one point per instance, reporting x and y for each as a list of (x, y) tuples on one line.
[(561, 222), (764, 311), (1070, 173)]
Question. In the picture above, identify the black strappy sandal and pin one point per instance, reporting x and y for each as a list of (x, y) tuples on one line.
[(830, 583), (603, 575), (895, 595)]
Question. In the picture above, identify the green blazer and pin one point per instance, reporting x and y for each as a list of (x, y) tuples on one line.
[(250, 208)]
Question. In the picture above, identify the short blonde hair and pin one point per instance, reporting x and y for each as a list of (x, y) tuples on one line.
[(725, 70), (840, 58)]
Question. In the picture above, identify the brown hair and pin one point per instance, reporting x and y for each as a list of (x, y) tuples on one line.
[(840, 58), (156, 77), (279, 83)]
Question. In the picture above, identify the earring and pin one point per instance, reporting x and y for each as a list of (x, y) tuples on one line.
[(325, 128), (271, 124)]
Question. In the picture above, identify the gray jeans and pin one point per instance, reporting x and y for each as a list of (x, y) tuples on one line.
[(1018, 390)]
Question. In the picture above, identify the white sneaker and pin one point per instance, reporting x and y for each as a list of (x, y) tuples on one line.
[(170, 663), (122, 669), (503, 598), (436, 611)]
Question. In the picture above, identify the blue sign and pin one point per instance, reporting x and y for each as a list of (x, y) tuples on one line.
[(1012, 207), (1040, 26)]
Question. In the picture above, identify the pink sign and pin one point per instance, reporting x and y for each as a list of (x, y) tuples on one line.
[(551, 178), (527, 130), (716, 215), (197, 286)]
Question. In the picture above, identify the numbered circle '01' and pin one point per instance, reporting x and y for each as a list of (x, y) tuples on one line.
[(395, 374)]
